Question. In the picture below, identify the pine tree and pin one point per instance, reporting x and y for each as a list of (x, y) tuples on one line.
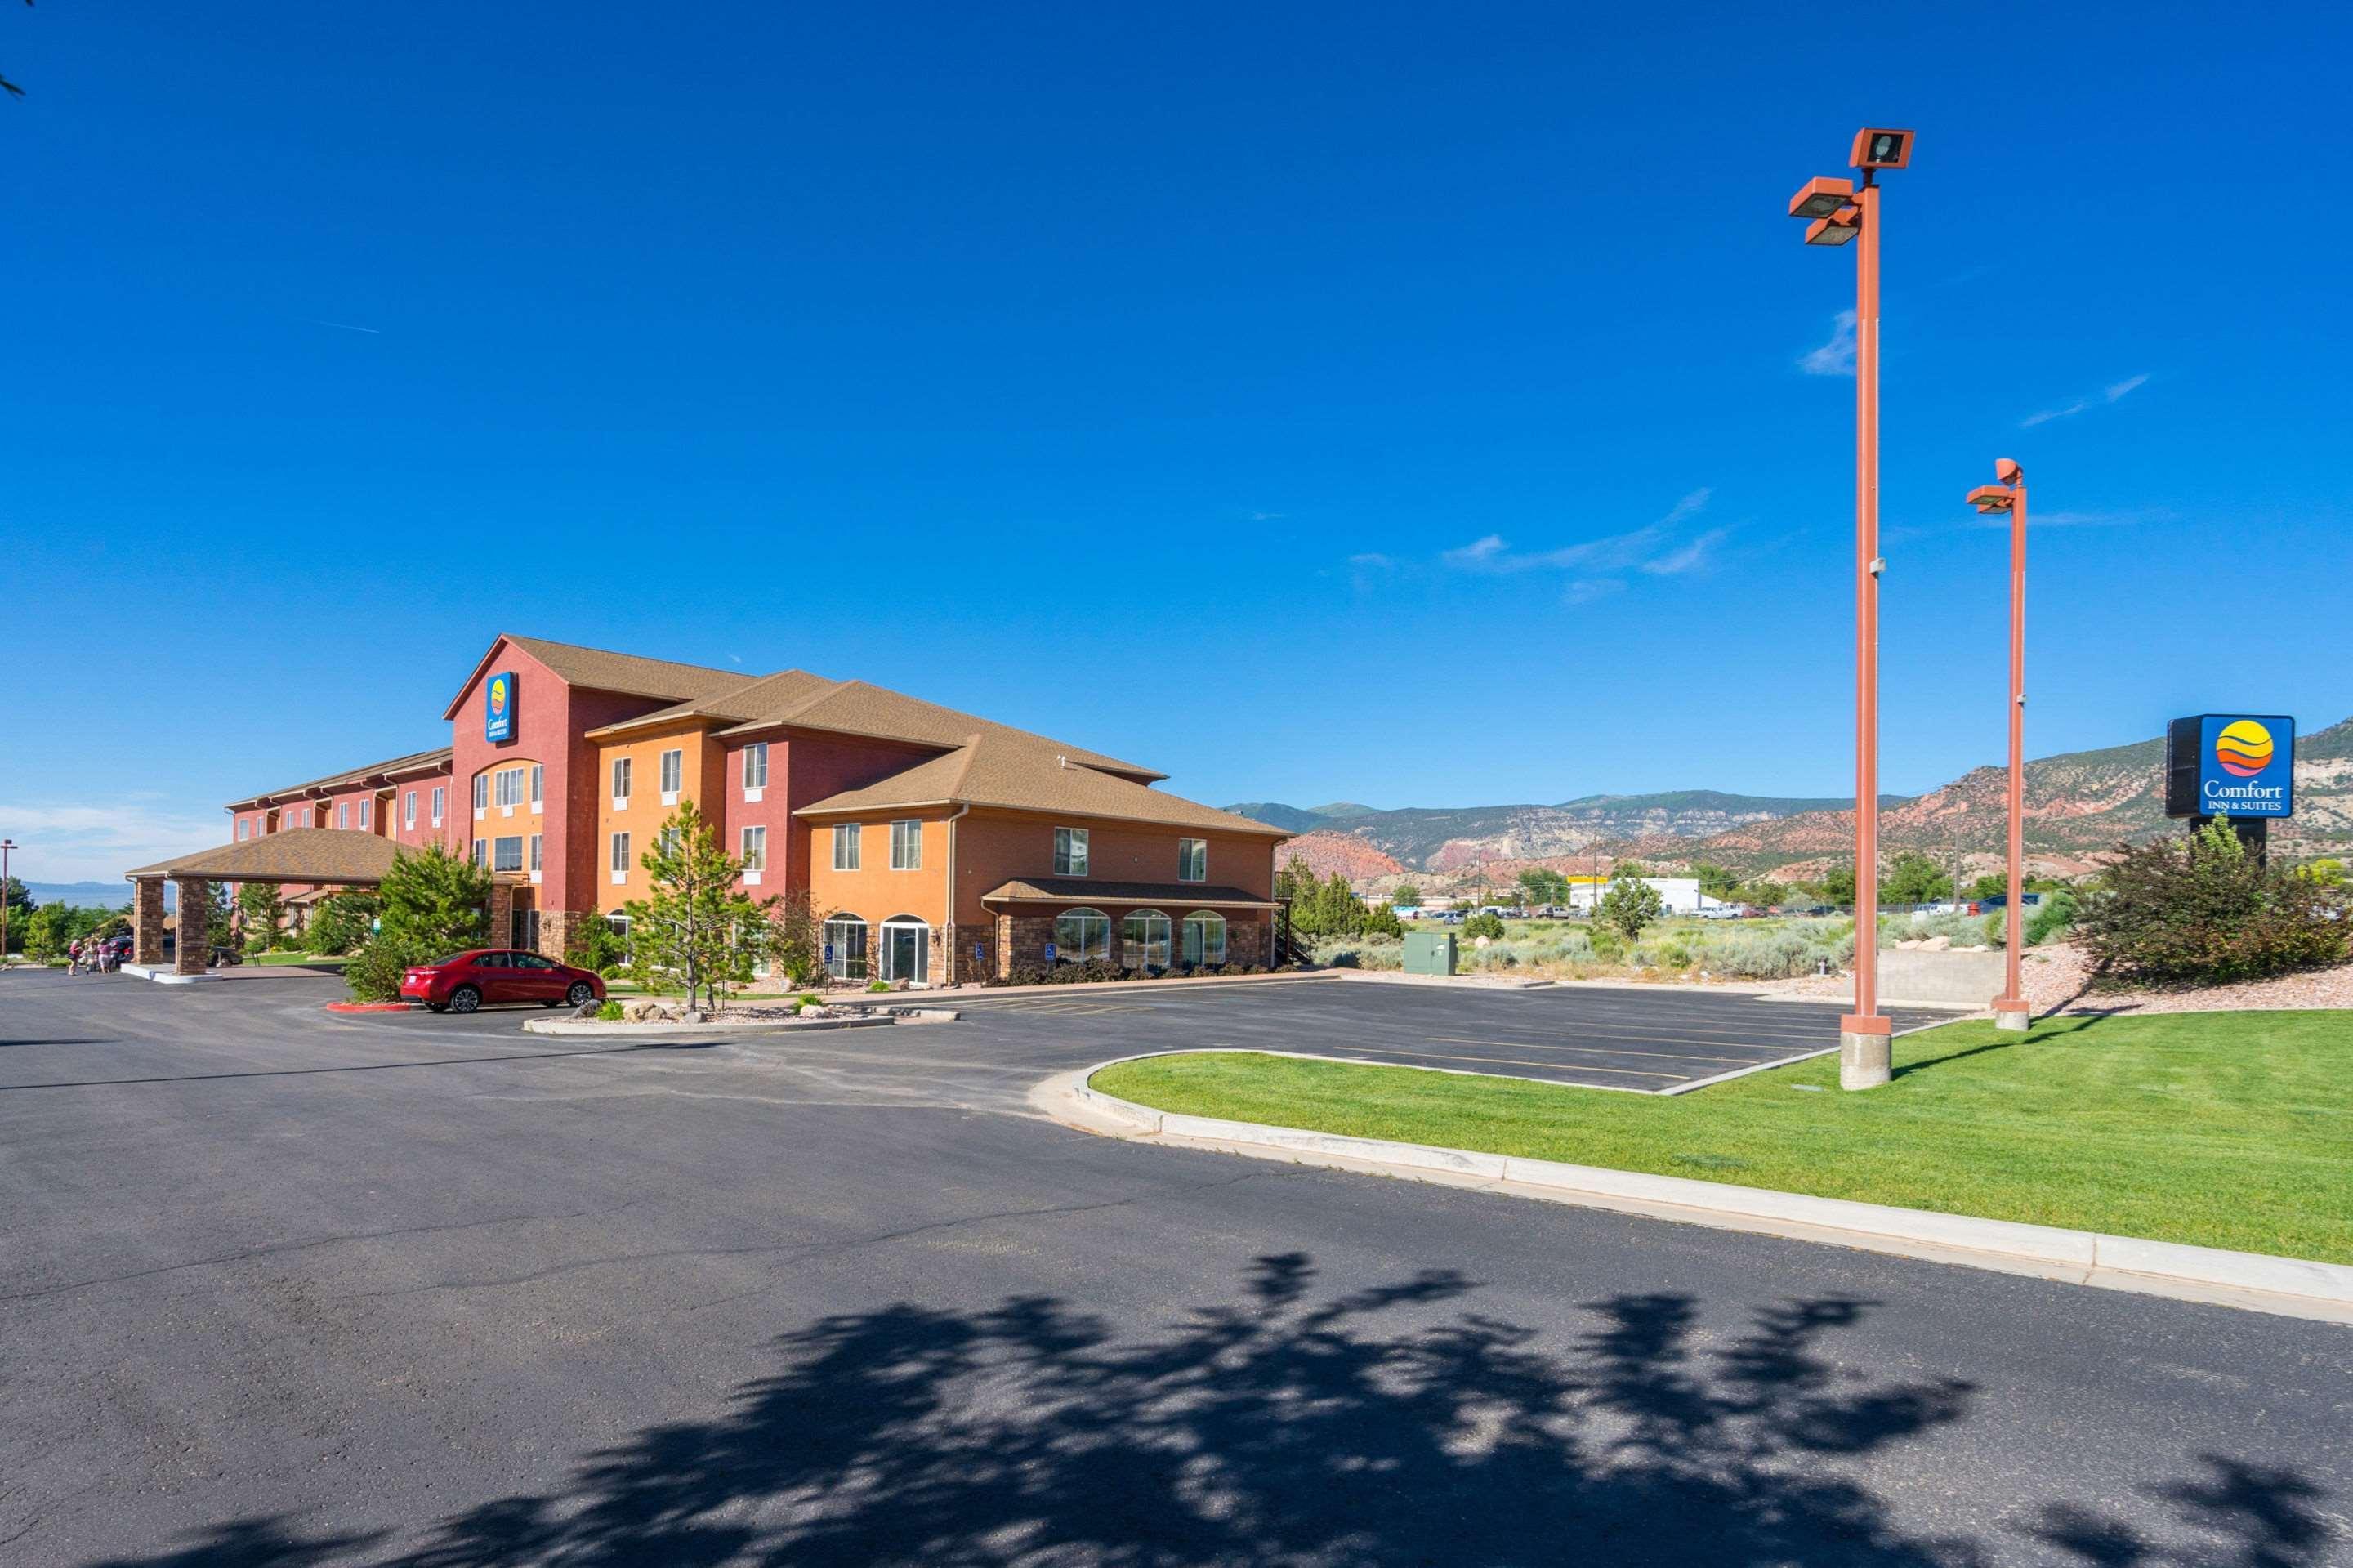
[(697, 928), (1629, 903), (263, 909), (432, 904)]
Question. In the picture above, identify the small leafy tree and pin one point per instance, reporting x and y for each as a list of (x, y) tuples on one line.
[(697, 928), (432, 904), (1837, 884), (591, 943), (221, 916), (1914, 878), (796, 938), (1380, 920), (1629, 902), (1484, 925), (1715, 881), (47, 931), (2328, 871), (1407, 896), (340, 924), (2201, 910), (263, 908), (1992, 884)]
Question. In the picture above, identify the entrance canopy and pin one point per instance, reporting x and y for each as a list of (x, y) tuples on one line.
[(294, 854)]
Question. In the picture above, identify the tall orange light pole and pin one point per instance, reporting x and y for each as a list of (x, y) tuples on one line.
[(2009, 1008), (1844, 211)]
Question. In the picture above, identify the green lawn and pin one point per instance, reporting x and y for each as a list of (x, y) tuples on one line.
[(293, 956), (2229, 1129)]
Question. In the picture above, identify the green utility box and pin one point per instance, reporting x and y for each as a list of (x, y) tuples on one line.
[(1429, 952)]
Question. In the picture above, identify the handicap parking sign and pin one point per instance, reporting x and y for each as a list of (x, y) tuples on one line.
[(828, 952), (1050, 952)]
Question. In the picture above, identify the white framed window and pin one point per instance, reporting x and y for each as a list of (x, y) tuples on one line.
[(1192, 859), (506, 853), (509, 785), (481, 852), (441, 796), (845, 846), (1070, 852), (244, 827), (906, 950), (907, 845), (1205, 937), (365, 814), (1143, 941), (535, 857), (756, 770), (845, 947), (408, 809), (620, 861), (538, 784), (342, 813), (481, 795), (755, 854), (622, 772), (1081, 935), (673, 776)]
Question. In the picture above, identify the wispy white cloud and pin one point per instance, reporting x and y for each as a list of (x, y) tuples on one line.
[(99, 841), (1585, 590), (2129, 517), (1683, 559), (2111, 392), (1651, 548), (1835, 357), (346, 327)]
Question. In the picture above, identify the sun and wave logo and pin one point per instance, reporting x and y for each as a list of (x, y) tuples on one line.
[(2244, 748), (498, 704)]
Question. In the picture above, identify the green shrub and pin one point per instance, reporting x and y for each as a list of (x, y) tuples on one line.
[(610, 1011), (340, 924), (2051, 919), (1609, 944), (2200, 910), (879, 985), (1484, 925)]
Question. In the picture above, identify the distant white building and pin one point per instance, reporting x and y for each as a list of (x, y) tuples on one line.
[(1680, 895)]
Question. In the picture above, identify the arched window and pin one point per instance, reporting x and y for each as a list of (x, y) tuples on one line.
[(845, 947), (906, 949), (1205, 937), (1143, 939), (1081, 935)]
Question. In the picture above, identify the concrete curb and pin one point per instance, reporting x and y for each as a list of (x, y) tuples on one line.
[(981, 996), (576, 1027), (2294, 1288), (164, 976)]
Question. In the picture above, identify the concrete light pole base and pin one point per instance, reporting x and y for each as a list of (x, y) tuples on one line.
[(1863, 1056), (2012, 1013)]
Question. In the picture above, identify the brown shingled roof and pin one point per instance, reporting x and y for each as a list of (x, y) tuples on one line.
[(1024, 772), (602, 670), (298, 854), (734, 705), (1079, 890), (859, 707), (409, 763)]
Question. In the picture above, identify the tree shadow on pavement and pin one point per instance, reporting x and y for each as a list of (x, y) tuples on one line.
[(1385, 1425)]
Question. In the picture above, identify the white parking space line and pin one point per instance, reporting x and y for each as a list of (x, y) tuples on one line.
[(1511, 1062), (1594, 1050)]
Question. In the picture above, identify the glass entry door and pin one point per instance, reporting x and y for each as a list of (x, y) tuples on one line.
[(906, 951)]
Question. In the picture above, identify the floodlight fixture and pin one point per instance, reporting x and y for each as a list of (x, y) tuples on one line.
[(1839, 228), (1993, 497), (1820, 198), (1875, 149), (2007, 471)]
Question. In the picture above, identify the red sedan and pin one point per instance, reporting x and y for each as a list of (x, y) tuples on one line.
[(463, 981)]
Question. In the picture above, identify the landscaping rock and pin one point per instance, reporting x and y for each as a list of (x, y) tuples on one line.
[(641, 1010), (587, 1010), (1935, 945)]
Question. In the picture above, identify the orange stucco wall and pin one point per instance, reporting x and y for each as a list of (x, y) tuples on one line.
[(874, 892), (702, 780), (494, 820)]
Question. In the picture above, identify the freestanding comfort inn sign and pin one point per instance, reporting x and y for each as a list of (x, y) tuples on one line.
[(2230, 765), (499, 708)]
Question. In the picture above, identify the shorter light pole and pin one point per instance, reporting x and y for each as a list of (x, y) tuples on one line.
[(6, 845), (2011, 1011)]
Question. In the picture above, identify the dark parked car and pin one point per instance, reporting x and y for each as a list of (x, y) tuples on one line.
[(464, 981)]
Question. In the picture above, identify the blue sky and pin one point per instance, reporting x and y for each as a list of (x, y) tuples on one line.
[(1422, 405)]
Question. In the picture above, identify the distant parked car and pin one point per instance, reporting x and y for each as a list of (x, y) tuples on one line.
[(1725, 912), (2001, 901), (464, 981)]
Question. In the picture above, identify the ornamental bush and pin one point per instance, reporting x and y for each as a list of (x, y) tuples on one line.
[(2201, 910), (1484, 925)]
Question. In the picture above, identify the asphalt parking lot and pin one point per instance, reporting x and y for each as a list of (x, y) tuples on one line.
[(1653, 1041), (282, 1288)]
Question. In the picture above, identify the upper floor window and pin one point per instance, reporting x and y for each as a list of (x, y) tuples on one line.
[(538, 779), (755, 767), (481, 793), (510, 788), (621, 862), (621, 771), (1192, 859), (534, 852), (440, 794), (906, 845), (244, 829), (481, 852), (342, 813), (364, 806), (755, 850), (408, 809), (845, 846), (673, 776), (1070, 852)]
